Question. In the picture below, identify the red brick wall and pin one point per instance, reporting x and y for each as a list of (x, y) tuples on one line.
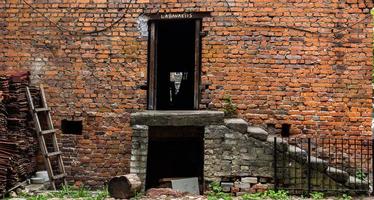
[(306, 63)]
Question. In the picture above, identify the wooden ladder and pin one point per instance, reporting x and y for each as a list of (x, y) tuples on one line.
[(46, 117)]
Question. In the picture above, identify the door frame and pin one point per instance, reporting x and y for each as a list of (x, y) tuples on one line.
[(152, 61)]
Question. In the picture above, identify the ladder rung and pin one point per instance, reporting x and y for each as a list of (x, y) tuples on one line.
[(41, 109), (48, 131), (58, 176), (53, 154)]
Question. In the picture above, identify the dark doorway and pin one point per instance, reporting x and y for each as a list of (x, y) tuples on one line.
[(174, 152), (174, 64)]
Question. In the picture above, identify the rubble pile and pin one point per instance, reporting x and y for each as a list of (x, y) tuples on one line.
[(18, 141)]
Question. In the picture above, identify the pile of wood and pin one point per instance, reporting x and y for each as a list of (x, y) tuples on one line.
[(18, 141), (3, 119)]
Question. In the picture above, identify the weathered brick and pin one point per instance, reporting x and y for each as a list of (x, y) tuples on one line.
[(273, 72)]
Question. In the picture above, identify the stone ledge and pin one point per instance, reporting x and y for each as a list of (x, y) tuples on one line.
[(258, 133), (177, 118), (237, 124)]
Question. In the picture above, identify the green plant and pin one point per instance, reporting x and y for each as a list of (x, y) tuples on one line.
[(71, 192), (277, 195), (216, 192), (37, 197), (361, 175), (254, 196), (102, 194), (138, 195), (317, 195), (345, 197), (229, 107), (79, 193), (65, 191)]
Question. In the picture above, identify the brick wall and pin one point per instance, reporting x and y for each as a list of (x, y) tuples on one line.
[(305, 63)]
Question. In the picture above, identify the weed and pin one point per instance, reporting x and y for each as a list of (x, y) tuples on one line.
[(37, 197), (317, 195), (138, 195), (277, 195), (254, 196), (361, 175), (229, 107), (345, 197), (102, 194), (217, 193)]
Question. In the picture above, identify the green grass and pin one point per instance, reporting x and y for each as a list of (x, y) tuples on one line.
[(70, 192)]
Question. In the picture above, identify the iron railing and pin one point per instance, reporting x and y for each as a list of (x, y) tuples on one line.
[(329, 165)]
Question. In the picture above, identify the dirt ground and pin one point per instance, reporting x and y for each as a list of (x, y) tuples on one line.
[(190, 197)]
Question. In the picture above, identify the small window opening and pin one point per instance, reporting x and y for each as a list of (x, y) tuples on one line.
[(73, 127), (286, 130)]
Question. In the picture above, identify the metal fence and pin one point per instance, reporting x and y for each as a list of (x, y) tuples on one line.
[(329, 165)]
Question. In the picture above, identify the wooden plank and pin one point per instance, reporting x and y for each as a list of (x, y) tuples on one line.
[(152, 68), (197, 65)]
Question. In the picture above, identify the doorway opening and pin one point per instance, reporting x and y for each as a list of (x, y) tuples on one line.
[(174, 65), (174, 152)]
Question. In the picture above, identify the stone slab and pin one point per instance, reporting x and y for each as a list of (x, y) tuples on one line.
[(257, 133), (357, 184), (337, 174), (177, 118), (237, 124), (249, 180), (190, 185), (319, 164)]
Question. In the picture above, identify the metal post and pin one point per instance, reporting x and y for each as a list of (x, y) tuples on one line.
[(309, 170), (275, 165)]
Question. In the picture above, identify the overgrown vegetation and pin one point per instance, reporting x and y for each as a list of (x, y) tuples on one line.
[(70, 192), (229, 107), (345, 197), (217, 193), (317, 195), (361, 175)]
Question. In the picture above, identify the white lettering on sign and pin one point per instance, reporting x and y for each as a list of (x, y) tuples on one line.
[(176, 15)]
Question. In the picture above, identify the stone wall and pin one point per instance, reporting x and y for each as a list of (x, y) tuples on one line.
[(229, 153), (241, 157), (281, 62)]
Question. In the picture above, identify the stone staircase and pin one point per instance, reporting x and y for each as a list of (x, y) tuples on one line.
[(344, 181), (235, 153)]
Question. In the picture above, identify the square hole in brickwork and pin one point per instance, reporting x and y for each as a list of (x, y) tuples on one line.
[(73, 127)]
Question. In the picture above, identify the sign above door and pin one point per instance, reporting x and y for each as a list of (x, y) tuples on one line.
[(183, 15)]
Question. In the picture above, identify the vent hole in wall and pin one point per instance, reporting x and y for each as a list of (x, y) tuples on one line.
[(73, 127)]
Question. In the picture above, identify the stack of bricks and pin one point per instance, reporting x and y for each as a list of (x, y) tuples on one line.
[(3, 121), (281, 62), (245, 185)]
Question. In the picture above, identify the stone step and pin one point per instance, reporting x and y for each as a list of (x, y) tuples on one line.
[(237, 124), (337, 174), (258, 133), (357, 183)]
